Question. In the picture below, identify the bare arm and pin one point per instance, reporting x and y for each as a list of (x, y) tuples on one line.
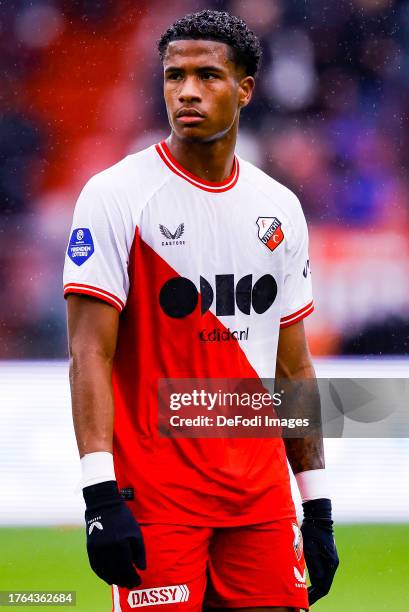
[(92, 337), (294, 362), (306, 457)]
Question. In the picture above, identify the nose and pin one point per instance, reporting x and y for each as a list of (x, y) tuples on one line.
[(189, 91)]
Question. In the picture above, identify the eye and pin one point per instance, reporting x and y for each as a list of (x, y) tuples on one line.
[(174, 76), (208, 76)]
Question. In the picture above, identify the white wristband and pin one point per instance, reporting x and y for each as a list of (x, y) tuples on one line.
[(97, 467), (313, 484)]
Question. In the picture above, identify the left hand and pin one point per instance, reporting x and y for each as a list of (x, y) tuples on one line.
[(320, 551)]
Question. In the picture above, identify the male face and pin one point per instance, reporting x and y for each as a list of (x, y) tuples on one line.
[(203, 89)]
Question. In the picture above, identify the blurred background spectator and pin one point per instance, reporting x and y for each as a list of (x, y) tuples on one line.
[(81, 87)]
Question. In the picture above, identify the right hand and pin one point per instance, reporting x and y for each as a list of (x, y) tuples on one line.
[(114, 539)]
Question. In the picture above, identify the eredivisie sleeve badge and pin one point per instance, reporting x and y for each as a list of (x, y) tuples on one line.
[(270, 232)]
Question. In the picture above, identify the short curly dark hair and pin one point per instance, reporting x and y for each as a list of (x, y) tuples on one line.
[(221, 27)]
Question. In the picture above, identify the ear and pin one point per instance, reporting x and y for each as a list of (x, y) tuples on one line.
[(246, 88)]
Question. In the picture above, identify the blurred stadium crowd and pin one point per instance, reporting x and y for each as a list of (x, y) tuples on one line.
[(81, 88)]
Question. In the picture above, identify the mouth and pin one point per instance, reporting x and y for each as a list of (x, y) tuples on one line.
[(189, 116)]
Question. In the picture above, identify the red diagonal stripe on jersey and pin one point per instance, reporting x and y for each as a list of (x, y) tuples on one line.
[(181, 349), (172, 475)]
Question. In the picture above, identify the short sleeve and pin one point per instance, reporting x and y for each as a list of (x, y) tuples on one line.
[(96, 260), (297, 300)]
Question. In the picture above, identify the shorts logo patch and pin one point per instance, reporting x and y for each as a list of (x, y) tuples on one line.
[(300, 577), (81, 245), (270, 232), (140, 598), (297, 542)]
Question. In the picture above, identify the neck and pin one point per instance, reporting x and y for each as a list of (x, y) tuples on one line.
[(212, 161)]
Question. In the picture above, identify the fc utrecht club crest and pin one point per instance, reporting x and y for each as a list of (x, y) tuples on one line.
[(270, 232), (297, 542)]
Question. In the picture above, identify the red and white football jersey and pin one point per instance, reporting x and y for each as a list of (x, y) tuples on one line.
[(204, 275)]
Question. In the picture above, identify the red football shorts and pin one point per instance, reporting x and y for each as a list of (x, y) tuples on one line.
[(192, 567)]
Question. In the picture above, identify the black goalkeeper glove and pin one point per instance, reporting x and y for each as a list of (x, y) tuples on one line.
[(320, 551), (114, 538)]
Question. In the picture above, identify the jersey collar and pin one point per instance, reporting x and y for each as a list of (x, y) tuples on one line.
[(173, 164)]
